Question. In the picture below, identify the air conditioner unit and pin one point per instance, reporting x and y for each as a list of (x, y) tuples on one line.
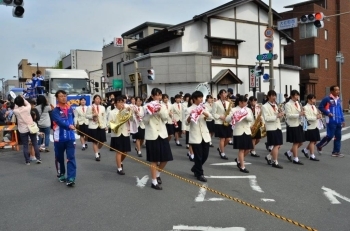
[(139, 55)]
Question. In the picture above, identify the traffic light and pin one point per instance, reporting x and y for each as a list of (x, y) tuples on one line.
[(150, 74), (259, 70), (316, 18), (17, 10)]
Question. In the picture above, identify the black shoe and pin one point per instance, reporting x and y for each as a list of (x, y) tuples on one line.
[(189, 157), (267, 146), (139, 155), (202, 178), (178, 144), (97, 158), (305, 154), (122, 166), (211, 145), (269, 162), (230, 143), (121, 172), (314, 159), (137, 151), (86, 146), (156, 187), (289, 157), (99, 155), (254, 155), (70, 183), (187, 146), (219, 151), (159, 181), (134, 141), (244, 170), (83, 148), (297, 162), (276, 165), (238, 164), (224, 157)]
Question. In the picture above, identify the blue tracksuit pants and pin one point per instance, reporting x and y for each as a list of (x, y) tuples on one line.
[(69, 148)]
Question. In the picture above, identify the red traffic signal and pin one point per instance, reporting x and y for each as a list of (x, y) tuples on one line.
[(319, 20)]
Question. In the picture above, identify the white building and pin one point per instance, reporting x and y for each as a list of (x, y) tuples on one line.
[(219, 47)]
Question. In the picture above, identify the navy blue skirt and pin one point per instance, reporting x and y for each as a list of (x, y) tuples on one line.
[(140, 135), (312, 135), (158, 150), (98, 134), (243, 142), (211, 126), (121, 143), (274, 137), (223, 131), (295, 134), (170, 129)]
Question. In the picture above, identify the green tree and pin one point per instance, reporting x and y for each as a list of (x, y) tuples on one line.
[(58, 62)]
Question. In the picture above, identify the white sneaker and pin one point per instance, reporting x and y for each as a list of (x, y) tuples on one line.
[(32, 158)]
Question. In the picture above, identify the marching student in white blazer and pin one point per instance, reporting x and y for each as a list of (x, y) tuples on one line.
[(157, 143), (295, 133), (97, 125), (81, 122), (312, 134), (185, 126), (170, 122), (220, 108), (210, 121), (199, 137), (139, 136), (177, 114), (273, 128), (256, 109), (242, 139), (109, 109), (120, 140)]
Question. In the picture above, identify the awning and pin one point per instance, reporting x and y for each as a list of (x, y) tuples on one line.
[(221, 40), (226, 77)]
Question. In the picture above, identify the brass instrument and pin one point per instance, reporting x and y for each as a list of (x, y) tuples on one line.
[(281, 110), (227, 112), (121, 118), (258, 125)]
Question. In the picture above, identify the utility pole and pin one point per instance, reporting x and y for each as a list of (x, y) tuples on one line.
[(340, 59), (136, 79), (272, 79)]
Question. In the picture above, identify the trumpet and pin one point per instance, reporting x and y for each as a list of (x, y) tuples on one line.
[(281, 110)]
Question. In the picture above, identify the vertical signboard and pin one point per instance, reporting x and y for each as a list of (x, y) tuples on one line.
[(73, 58), (254, 81)]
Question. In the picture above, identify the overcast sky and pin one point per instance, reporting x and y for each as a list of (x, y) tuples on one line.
[(53, 27)]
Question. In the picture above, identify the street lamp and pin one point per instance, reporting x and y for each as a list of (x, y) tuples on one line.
[(37, 65), (340, 59)]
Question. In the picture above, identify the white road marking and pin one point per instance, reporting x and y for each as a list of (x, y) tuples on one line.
[(201, 196), (205, 228), (332, 196), (141, 183), (252, 181), (267, 200), (229, 163)]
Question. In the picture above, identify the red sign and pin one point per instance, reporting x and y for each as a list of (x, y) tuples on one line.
[(118, 42), (252, 81)]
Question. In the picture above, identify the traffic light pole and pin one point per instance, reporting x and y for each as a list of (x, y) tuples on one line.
[(136, 79), (272, 80)]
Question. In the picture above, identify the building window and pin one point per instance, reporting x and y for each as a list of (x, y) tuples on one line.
[(309, 61), (307, 30), (156, 30), (119, 71), (325, 34), (289, 60), (138, 36), (224, 50), (326, 64), (109, 69)]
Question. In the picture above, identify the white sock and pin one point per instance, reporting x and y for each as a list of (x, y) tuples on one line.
[(158, 174), (289, 153), (253, 152), (271, 147), (269, 156), (83, 145), (119, 169), (96, 154), (139, 152), (275, 161), (210, 143), (296, 159), (187, 145), (223, 154), (178, 142), (154, 181), (313, 156), (306, 150), (192, 156)]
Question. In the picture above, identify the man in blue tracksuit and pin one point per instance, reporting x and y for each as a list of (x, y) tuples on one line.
[(330, 106), (64, 138)]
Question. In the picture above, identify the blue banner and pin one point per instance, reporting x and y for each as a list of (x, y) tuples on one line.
[(73, 100)]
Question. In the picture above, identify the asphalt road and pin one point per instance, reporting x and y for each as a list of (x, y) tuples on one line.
[(316, 194)]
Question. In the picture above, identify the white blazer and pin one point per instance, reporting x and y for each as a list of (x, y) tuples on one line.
[(80, 115), (219, 110), (102, 117), (244, 125), (177, 112), (155, 124), (209, 108), (141, 112), (184, 126), (200, 130), (293, 113), (124, 129), (169, 108), (272, 122), (311, 115)]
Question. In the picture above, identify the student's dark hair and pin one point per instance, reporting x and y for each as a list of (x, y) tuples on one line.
[(119, 98), (241, 98), (285, 95), (196, 95), (60, 92), (42, 101), (132, 97), (332, 88), (177, 96), (12, 106), (221, 91), (124, 96), (311, 96), (38, 72), (252, 98), (138, 97), (172, 100), (271, 93), (31, 101), (209, 97), (190, 102), (187, 95), (19, 101), (33, 75), (165, 96), (294, 92), (155, 91), (95, 96)]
